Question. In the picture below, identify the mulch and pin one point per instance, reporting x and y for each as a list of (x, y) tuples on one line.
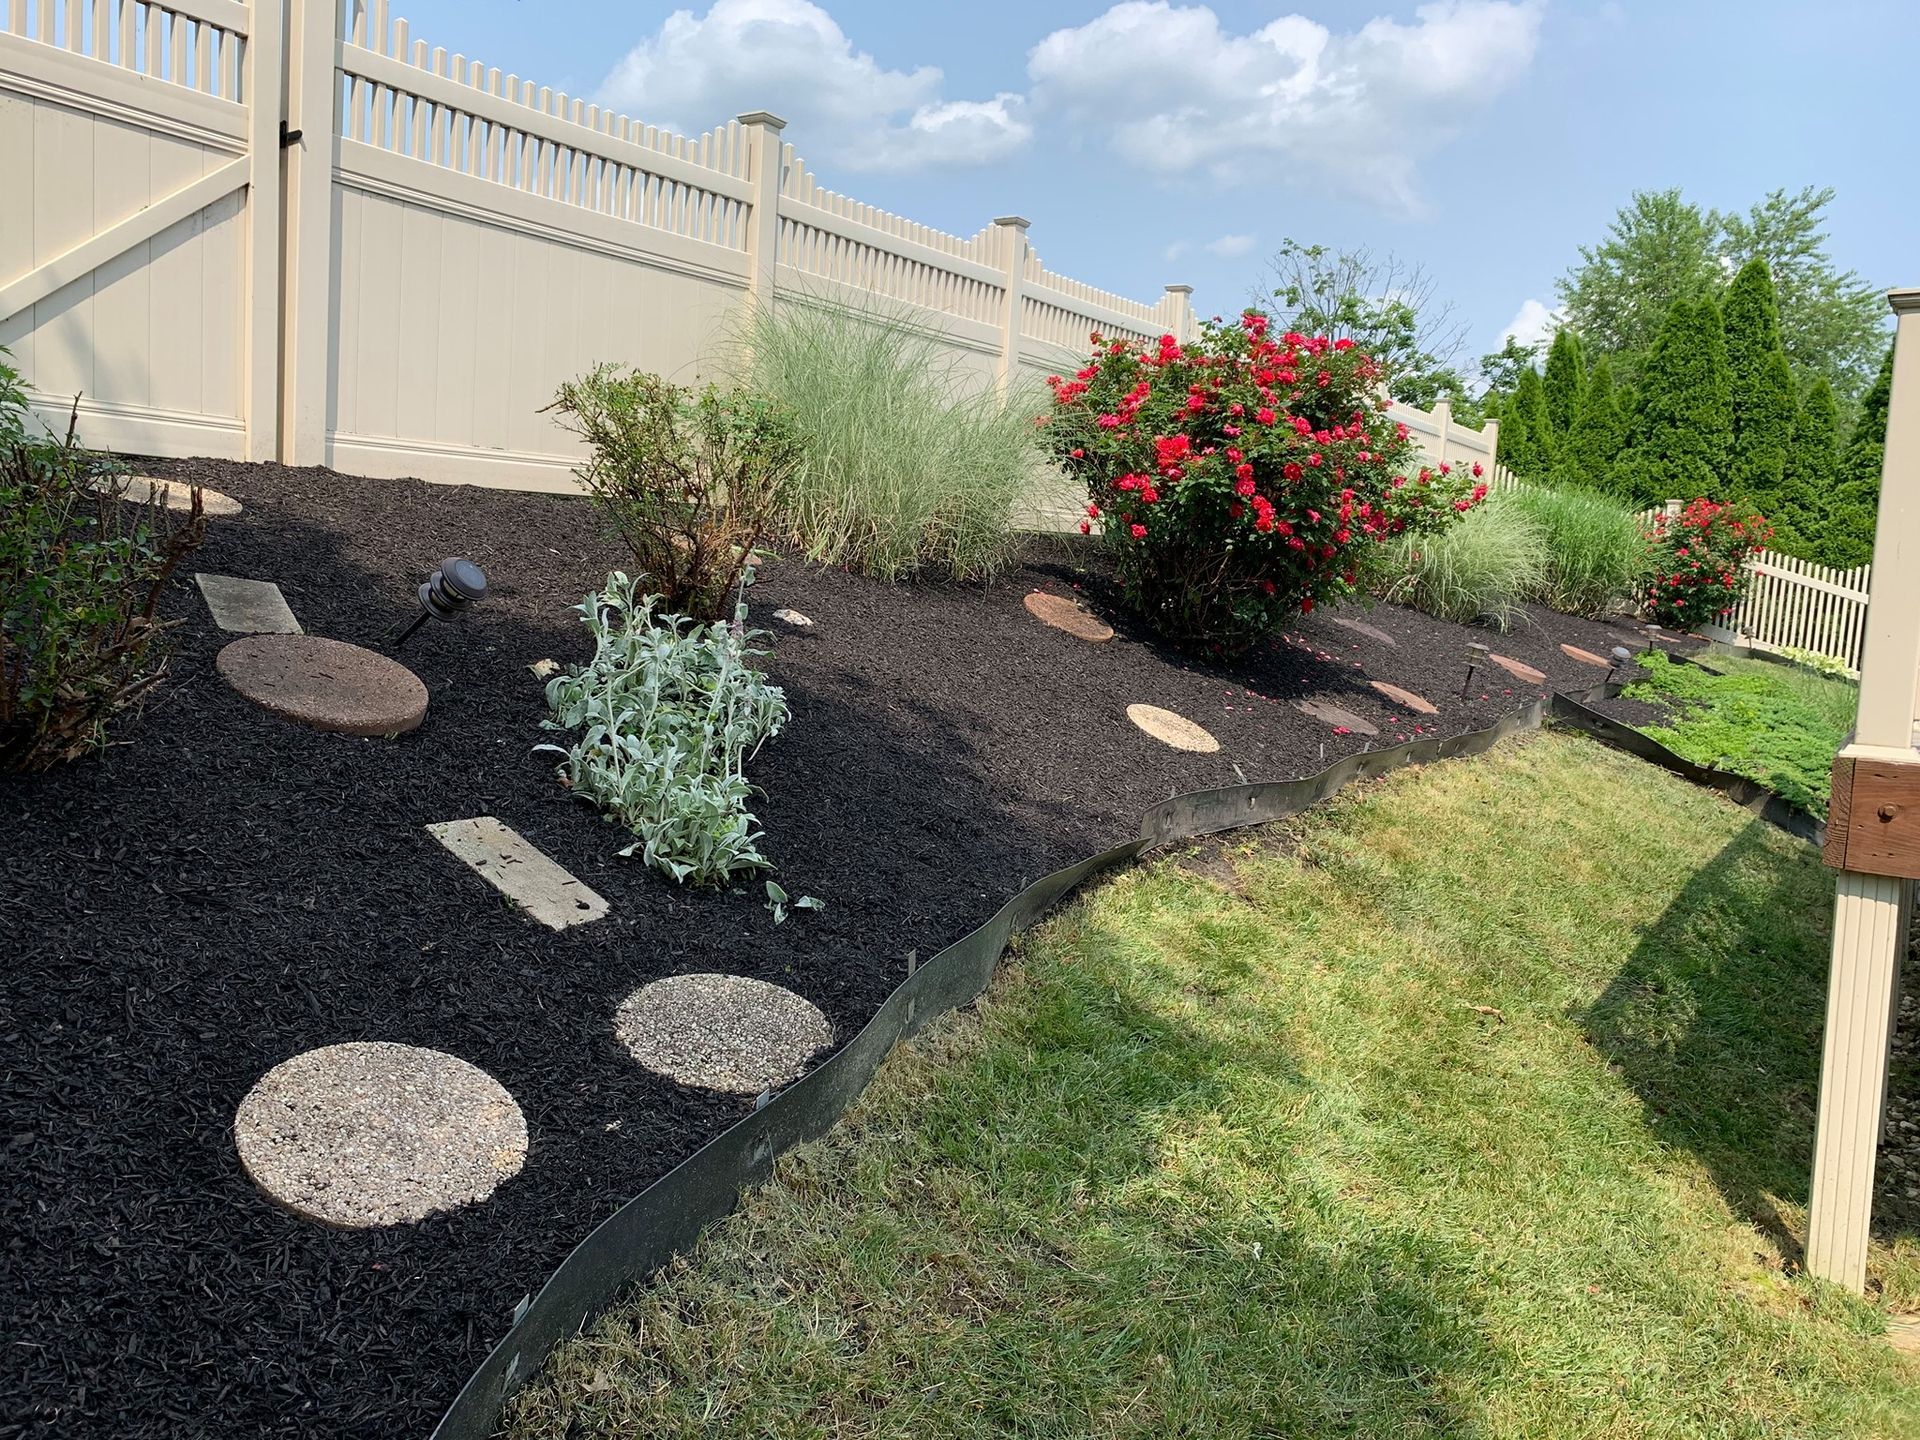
[(222, 890)]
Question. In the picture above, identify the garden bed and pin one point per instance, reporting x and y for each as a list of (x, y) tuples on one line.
[(223, 891)]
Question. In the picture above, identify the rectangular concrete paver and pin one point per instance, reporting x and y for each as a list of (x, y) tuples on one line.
[(247, 607), (520, 872)]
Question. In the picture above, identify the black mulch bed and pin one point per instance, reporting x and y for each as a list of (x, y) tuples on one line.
[(223, 890)]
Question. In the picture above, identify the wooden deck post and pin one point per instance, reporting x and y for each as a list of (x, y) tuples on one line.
[(1872, 908)]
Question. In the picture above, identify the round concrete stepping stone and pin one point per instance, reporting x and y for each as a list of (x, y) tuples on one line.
[(1331, 714), (1518, 669), (722, 1032), (326, 684), (1360, 627), (1585, 657), (143, 489), (1171, 729), (370, 1133), (1406, 699), (1063, 614)]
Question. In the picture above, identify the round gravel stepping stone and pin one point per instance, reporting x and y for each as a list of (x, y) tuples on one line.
[(1518, 669), (1063, 614), (1171, 729), (370, 1133), (1585, 657), (1331, 714), (722, 1032), (1406, 699), (143, 489), (793, 618), (326, 684), (1360, 627)]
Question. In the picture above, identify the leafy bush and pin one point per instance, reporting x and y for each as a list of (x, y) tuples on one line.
[(81, 575), (1596, 551), (690, 481), (1241, 478), (672, 712), (1832, 667), (1769, 722), (1480, 569), (1696, 564), (905, 463)]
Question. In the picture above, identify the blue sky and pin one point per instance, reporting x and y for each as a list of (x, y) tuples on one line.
[(1151, 143)]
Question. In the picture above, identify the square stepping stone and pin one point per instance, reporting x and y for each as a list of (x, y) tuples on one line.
[(507, 862), (247, 607)]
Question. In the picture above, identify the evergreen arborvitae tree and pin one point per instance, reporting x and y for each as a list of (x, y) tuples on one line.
[(1809, 476), (1565, 379), (1526, 440), (1761, 389), (1846, 537), (1599, 433), (1686, 410)]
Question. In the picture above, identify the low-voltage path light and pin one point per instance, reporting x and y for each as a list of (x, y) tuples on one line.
[(1476, 656), (444, 594), (1621, 655)]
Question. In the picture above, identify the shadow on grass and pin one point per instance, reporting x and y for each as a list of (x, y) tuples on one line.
[(1716, 1020)]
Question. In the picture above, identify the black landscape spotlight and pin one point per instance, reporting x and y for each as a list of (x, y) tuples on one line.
[(445, 593)]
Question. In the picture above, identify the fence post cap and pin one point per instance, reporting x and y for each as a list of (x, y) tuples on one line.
[(1179, 289), (762, 117), (1019, 222)]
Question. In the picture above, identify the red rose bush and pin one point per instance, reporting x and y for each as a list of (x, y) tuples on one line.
[(1238, 478), (1698, 563)]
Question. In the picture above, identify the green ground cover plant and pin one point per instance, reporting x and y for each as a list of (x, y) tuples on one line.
[(907, 462), (82, 571), (670, 711), (1778, 724), (1475, 1103), (1596, 552), (689, 480), (1479, 569)]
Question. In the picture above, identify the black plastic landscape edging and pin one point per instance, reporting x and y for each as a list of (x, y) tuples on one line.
[(667, 1217)]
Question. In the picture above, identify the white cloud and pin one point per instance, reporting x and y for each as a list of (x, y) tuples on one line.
[(1228, 246), (1531, 324), (1178, 248), (1174, 92), (790, 57)]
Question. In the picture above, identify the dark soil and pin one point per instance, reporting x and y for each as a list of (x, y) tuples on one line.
[(221, 890)]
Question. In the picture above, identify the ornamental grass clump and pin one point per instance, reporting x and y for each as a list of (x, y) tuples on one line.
[(672, 712), (1480, 569), (82, 571), (1698, 569), (1240, 479), (1596, 550), (690, 481), (908, 464)]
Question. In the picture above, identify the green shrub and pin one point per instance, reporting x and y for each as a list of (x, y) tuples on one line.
[(906, 462), (1241, 478), (1771, 723), (1596, 550), (81, 575), (672, 712), (690, 481), (1480, 569)]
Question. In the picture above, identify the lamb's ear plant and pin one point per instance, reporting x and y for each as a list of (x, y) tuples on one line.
[(671, 711)]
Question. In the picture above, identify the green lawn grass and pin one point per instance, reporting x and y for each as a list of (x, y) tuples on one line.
[(1778, 724), (1476, 1103)]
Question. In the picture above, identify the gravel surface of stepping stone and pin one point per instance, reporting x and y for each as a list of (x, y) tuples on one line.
[(325, 684), (1360, 627), (1171, 729), (1063, 614), (1333, 715), (1518, 669), (722, 1032), (1585, 657), (370, 1133), (247, 607), (1420, 705), (141, 489), (504, 859), (794, 618)]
